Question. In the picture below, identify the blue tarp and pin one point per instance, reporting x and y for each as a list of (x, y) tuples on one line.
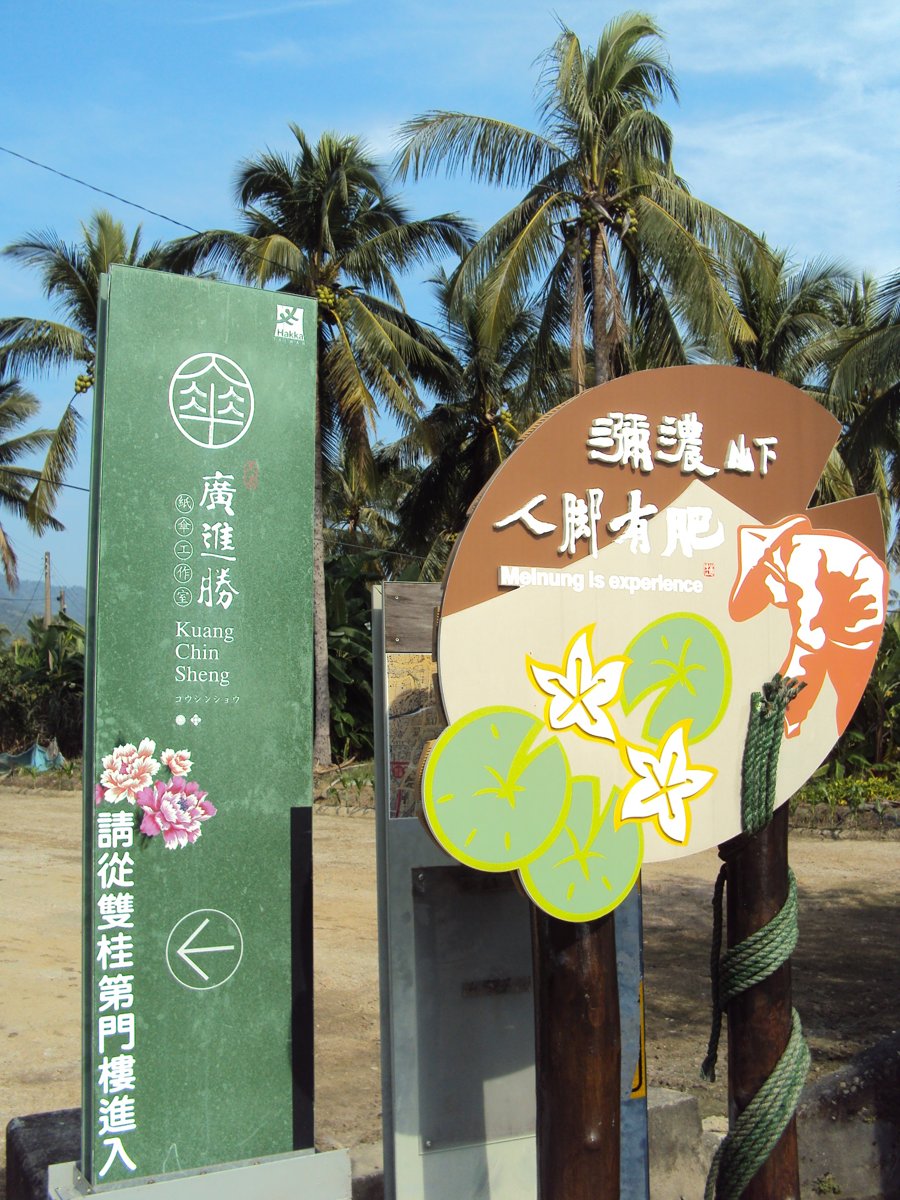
[(38, 758)]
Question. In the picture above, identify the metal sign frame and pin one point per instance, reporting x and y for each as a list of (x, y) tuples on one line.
[(457, 1024)]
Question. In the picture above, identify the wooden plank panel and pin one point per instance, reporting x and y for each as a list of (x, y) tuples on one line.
[(409, 617)]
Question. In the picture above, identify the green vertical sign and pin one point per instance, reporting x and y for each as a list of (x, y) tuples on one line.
[(198, 1032)]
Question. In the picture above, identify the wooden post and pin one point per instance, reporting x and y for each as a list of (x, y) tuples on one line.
[(578, 1056), (46, 589), (759, 1020)]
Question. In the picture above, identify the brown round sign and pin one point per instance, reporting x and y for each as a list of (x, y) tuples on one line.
[(641, 564)]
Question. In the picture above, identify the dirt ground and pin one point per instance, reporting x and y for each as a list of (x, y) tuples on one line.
[(846, 970)]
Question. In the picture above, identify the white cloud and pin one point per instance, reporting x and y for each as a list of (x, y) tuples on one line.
[(827, 38), (788, 119), (804, 181)]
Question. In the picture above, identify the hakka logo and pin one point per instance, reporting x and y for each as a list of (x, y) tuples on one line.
[(289, 322)]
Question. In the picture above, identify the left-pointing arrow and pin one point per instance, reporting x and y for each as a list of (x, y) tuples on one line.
[(187, 950)]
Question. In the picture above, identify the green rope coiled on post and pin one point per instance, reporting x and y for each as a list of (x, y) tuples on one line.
[(757, 1130), (750, 1141), (748, 963)]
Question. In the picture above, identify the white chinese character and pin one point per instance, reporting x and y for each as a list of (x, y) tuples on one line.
[(116, 1074), (738, 457), (114, 991), (218, 493), (116, 910), (115, 951), (524, 514), (689, 529), (114, 870), (681, 439), (116, 1115), (115, 829), (634, 524), (217, 539), (119, 1026), (622, 438), (116, 1150), (580, 519), (225, 591), (767, 453)]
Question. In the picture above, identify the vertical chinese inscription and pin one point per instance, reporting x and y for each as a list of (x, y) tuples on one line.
[(116, 1074)]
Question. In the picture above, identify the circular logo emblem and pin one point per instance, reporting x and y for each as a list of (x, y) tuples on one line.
[(182, 596), (184, 572), (211, 400), (184, 503)]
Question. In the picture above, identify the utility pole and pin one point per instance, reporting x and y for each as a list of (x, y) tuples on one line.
[(47, 589), (61, 600)]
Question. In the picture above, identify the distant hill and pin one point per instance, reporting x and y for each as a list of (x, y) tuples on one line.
[(28, 601)]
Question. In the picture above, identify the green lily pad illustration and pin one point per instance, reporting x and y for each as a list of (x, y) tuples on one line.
[(494, 799), (590, 866), (684, 659)]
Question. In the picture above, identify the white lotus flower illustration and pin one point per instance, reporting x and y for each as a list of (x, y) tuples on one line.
[(580, 690), (663, 784)]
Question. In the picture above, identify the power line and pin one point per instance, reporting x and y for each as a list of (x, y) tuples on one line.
[(378, 552), (75, 487), (24, 613), (143, 208), (101, 191)]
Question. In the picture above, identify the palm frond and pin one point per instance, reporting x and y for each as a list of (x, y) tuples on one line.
[(493, 151), (59, 459), (527, 253), (691, 269), (29, 345)]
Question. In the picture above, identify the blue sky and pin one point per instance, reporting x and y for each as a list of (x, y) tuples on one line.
[(787, 121)]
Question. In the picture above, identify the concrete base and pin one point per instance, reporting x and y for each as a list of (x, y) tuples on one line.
[(318, 1176), (849, 1127), (41, 1149), (32, 1143), (680, 1150), (849, 1135)]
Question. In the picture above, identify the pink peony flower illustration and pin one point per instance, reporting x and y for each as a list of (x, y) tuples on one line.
[(126, 772), (178, 761), (175, 810)]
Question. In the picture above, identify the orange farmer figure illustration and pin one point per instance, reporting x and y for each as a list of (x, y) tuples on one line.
[(835, 592)]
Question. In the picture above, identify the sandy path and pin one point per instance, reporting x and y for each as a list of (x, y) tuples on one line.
[(846, 970)]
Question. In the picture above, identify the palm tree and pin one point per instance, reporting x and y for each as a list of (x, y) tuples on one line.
[(321, 222), (864, 364), (70, 275), (491, 394), (606, 225), (789, 308), (360, 505), (17, 483), (802, 317), (862, 359)]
